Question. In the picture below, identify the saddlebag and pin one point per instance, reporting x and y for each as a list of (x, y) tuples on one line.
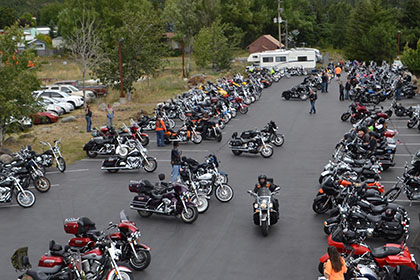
[(140, 201), (109, 162), (391, 228)]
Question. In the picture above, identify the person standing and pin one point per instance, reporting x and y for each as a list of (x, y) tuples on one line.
[(347, 88), (109, 115), (312, 98), (398, 88), (88, 115), (335, 268), (324, 83), (160, 130), (341, 89), (175, 162)]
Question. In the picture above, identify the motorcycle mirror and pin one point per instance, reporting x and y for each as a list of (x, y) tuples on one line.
[(278, 188)]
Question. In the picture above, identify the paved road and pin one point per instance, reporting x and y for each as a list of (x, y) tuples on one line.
[(223, 243)]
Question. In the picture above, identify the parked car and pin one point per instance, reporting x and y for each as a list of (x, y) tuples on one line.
[(69, 89), (51, 107), (97, 89), (44, 118), (67, 107), (76, 101)]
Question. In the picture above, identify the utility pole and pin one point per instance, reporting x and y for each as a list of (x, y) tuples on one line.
[(399, 42), (183, 55), (121, 70), (279, 21), (286, 35)]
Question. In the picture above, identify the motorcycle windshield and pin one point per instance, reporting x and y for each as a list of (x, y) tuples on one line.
[(123, 216)]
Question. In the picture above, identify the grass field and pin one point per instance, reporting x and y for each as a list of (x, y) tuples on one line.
[(167, 83)]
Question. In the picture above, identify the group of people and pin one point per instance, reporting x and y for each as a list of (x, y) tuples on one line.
[(110, 113)]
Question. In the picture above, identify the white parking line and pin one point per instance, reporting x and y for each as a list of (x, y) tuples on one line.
[(404, 155), (410, 144), (188, 151), (9, 206), (405, 200), (92, 159), (69, 171), (406, 134), (163, 160), (396, 167)]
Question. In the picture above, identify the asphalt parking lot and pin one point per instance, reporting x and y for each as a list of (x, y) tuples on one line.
[(223, 243)]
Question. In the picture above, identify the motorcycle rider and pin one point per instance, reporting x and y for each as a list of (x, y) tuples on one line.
[(263, 183)]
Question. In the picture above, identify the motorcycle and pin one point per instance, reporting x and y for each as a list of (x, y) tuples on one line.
[(186, 133), (135, 159), (46, 159), (173, 202), (264, 213), (407, 183), (250, 142), (107, 145), (300, 92), (270, 131), (9, 185)]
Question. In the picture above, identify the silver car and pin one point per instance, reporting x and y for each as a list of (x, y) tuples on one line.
[(67, 107)]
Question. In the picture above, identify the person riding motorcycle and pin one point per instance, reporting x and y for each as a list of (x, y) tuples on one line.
[(263, 183)]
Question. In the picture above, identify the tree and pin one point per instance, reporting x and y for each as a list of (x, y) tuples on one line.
[(16, 79), (142, 48), (211, 47), (27, 19), (83, 41), (184, 16), (371, 34), (7, 17), (49, 14), (411, 58), (410, 23)]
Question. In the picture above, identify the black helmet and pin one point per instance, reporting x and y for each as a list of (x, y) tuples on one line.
[(161, 176), (262, 179), (381, 121)]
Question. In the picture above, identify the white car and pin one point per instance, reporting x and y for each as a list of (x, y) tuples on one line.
[(67, 107), (76, 101), (69, 89), (52, 108)]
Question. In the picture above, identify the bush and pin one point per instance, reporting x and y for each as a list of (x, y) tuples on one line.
[(411, 58)]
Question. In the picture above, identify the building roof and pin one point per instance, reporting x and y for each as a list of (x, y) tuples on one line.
[(267, 37)]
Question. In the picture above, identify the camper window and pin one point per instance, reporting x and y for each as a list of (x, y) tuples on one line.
[(280, 58), (268, 59), (302, 58)]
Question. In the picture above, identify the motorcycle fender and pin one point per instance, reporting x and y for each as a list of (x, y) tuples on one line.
[(320, 197), (324, 258), (332, 220), (144, 247), (189, 203), (325, 173), (263, 217), (144, 134), (112, 272), (88, 146), (223, 173)]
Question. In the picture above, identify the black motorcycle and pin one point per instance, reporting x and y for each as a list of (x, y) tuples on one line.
[(265, 214), (135, 159), (298, 92), (251, 141), (209, 129), (173, 201)]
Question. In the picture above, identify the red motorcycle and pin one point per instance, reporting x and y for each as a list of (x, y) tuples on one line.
[(127, 239), (358, 111), (239, 105), (390, 254)]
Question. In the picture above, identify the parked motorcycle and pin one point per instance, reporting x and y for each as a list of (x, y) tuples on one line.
[(46, 159), (10, 185), (186, 133), (250, 142), (173, 202)]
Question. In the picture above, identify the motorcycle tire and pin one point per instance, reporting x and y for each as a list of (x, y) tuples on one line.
[(171, 123), (189, 215), (243, 110), (234, 113), (388, 113), (144, 259), (222, 124), (236, 152), (327, 230), (257, 97), (418, 127), (201, 202), (345, 116), (197, 139), (61, 164), (279, 140), (144, 141), (144, 214), (182, 116), (91, 154), (112, 170), (267, 152), (219, 137), (353, 120), (321, 268), (42, 184), (286, 96), (151, 166), (223, 179), (224, 193), (411, 124), (319, 87), (319, 206), (264, 228), (26, 198), (392, 194), (123, 276), (303, 97), (247, 101)]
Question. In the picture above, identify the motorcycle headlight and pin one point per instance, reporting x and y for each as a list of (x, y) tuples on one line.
[(270, 205), (263, 205), (255, 205)]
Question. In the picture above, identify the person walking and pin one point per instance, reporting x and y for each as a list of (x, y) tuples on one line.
[(335, 268), (312, 98), (347, 88), (324, 82), (109, 115), (160, 130), (341, 90), (398, 88), (176, 162), (88, 116), (338, 72)]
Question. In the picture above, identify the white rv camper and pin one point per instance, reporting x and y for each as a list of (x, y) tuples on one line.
[(281, 58)]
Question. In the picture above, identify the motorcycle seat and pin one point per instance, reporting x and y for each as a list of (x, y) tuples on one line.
[(358, 170), (101, 141), (379, 208), (375, 219), (383, 252), (360, 161), (38, 275)]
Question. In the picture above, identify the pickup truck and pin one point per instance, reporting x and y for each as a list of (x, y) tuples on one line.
[(98, 90)]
